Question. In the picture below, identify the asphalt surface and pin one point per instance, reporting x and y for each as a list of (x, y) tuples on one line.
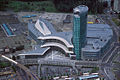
[(114, 48), (55, 70), (22, 67)]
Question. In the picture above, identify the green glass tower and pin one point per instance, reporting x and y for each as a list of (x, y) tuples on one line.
[(80, 29)]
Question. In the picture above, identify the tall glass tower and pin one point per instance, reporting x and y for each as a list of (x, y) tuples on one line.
[(79, 30)]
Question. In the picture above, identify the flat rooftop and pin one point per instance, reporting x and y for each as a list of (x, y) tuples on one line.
[(98, 36)]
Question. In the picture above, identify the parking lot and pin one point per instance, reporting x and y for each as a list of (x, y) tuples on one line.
[(19, 30), (8, 18), (56, 70), (57, 19), (13, 41)]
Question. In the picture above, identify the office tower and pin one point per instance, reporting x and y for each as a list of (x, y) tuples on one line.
[(80, 29)]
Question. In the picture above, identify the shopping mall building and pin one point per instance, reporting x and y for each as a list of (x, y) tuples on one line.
[(84, 42)]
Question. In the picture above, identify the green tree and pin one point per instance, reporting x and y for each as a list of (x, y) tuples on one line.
[(67, 5), (13, 57), (3, 4), (119, 15), (95, 69)]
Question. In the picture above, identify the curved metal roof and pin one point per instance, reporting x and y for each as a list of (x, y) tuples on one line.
[(80, 9), (57, 38), (57, 45)]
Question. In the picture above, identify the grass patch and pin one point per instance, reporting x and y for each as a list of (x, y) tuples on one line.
[(95, 70), (118, 78), (115, 69), (116, 22), (14, 69), (4, 64), (115, 62), (47, 6), (87, 67)]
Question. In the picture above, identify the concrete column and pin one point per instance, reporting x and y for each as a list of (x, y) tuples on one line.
[(39, 70)]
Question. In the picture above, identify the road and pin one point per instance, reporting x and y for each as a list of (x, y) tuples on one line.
[(19, 75), (114, 47), (25, 69)]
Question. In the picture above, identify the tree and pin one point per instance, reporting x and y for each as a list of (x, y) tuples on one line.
[(13, 57), (119, 15), (67, 5), (95, 69), (100, 7), (3, 4)]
